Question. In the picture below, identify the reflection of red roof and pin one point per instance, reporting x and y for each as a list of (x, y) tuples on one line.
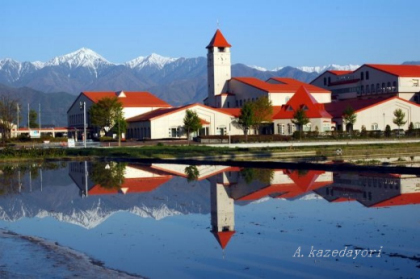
[(133, 185), (302, 99), (218, 40), (404, 199), (303, 183), (397, 70), (223, 237), (282, 85), (204, 122), (343, 199)]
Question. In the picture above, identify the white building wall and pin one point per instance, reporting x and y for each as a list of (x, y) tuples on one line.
[(383, 114), (245, 92), (129, 112)]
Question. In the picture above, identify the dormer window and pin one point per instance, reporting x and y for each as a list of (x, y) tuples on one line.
[(304, 107), (289, 108)]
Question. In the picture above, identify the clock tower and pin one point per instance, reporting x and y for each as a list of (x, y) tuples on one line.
[(218, 67)]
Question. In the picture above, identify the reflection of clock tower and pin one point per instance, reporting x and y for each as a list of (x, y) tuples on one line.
[(218, 67), (222, 214)]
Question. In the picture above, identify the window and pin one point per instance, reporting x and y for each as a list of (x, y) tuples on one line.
[(329, 80), (362, 75), (383, 86), (415, 83), (372, 88), (417, 125), (375, 126), (394, 86), (307, 127), (367, 75), (325, 81), (326, 127), (388, 86)]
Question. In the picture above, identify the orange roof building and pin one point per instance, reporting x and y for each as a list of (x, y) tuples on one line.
[(373, 81)]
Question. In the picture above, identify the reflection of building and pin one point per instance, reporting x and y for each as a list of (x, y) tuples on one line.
[(137, 179), (373, 190), (222, 214)]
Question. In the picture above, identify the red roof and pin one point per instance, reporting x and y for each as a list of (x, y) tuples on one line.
[(218, 40), (404, 199), (131, 99), (339, 73), (223, 237), (397, 70), (302, 99), (165, 111), (282, 85), (132, 185), (336, 109)]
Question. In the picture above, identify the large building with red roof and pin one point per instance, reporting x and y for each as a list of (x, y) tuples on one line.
[(227, 92), (373, 81), (134, 103)]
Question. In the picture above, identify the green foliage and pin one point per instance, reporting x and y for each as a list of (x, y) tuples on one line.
[(300, 119), (33, 119), (263, 175), (399, 118), (108, 175), (387, 131), (8, 115), (192, 122), (349, 118), (192, 173), (246, 118), (363, 133), (106, 113), (263, 111)]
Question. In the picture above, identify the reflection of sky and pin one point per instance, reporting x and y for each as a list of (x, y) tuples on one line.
[(267, 233), (267, 236)]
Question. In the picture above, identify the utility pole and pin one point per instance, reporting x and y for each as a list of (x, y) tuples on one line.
[(83, 106), (29, 128), (39, 119)]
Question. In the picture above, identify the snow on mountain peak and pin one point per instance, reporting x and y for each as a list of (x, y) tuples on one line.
[(83, 57), (151, 60), (321, 69)]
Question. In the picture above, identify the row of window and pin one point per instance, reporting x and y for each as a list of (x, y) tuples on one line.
[(379, 89), (291, 128), (375, 126), (363, 75), (77, 119), (139, 133)]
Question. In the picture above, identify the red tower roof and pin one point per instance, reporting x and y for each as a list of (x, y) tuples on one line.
[(223, 237), (218, 40)]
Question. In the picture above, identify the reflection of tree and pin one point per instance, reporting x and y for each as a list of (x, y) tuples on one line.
[(192, 173), (10, 174), (263, 175), (107, 175)]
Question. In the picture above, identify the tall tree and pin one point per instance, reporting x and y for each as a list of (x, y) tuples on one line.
[(300, 119), (106, 112), (33, 119), (349, 118), (246, 118), (8, 114), (192, 122), (399, 119), (263, 112)]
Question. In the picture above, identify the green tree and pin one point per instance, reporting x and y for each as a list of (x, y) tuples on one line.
[(192, 122), (349, 118), (399, 119), (192, 173), (8, 114), (33, 119), (246, 118), (120, 126), (263, 112), (300, 119), (106, 112), (387, 131), (107, 175)]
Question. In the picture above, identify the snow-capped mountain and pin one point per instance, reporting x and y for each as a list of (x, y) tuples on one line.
[(83, 57), (153, 60), (321, 69)]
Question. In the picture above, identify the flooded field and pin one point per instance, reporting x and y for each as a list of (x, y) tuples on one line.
[(180, 221)]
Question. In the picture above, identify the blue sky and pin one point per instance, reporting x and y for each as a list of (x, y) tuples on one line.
[(264, 33)]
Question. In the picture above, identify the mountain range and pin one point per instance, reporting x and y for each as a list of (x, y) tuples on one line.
[(175, 80)]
